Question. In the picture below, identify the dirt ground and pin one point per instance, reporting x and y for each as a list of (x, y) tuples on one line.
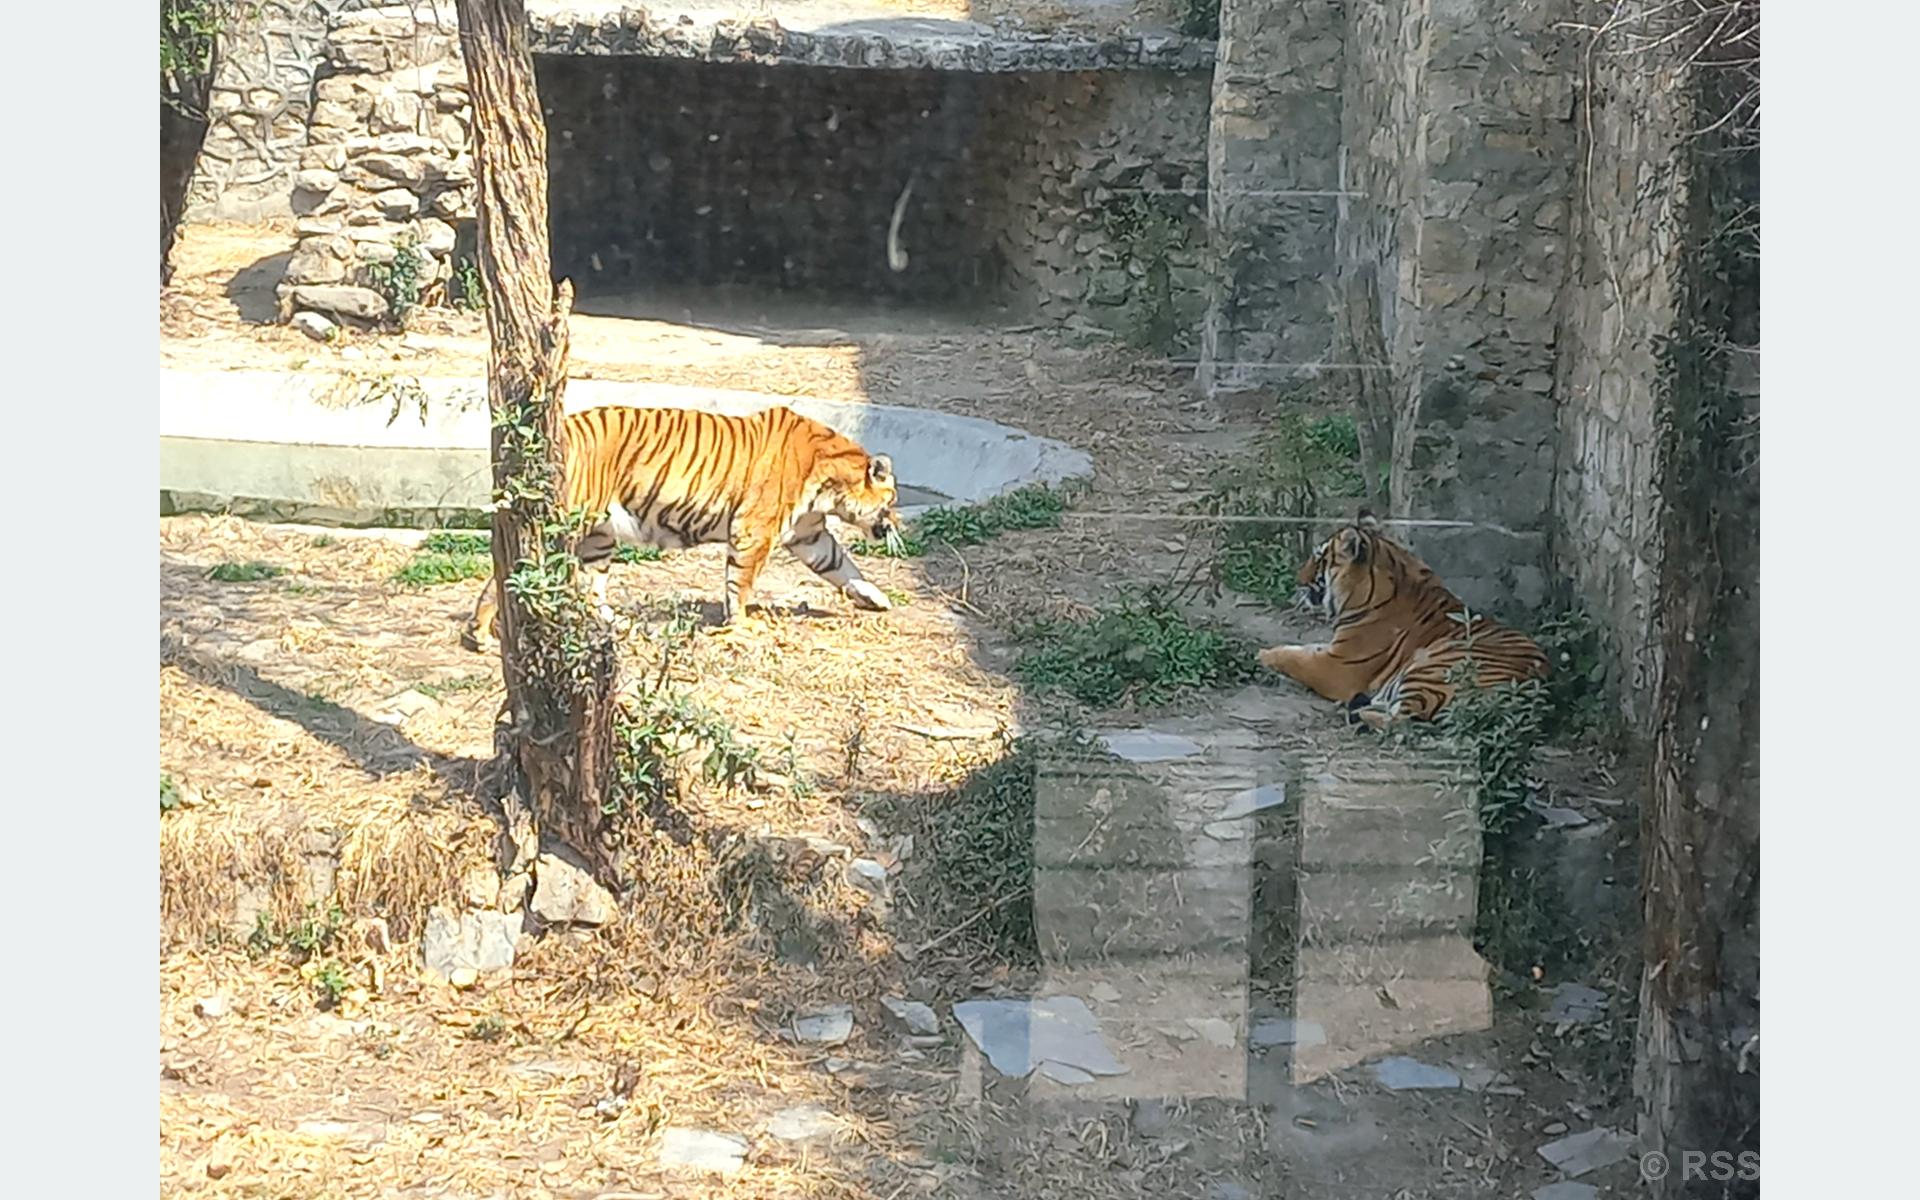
[(329, 734)]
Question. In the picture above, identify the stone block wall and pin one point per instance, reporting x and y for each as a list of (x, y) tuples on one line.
[(1273, 177), (1622, 297), (259, 106), (1457, 127)]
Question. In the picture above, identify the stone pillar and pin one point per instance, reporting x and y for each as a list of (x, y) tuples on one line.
[(258, 109), (388, 167), (1273, 169)]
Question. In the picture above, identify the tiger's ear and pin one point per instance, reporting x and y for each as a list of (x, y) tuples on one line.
[(1368, 521), (879, 469), (1354, 545)]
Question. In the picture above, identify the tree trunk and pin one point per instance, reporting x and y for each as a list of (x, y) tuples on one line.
[(555, 747), (1697, 1077)]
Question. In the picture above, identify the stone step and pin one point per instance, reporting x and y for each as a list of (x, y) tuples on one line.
[(1100, 912), (1353, 905)]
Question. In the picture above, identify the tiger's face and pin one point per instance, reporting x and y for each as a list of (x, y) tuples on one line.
[(1336, 566), (870, 503)]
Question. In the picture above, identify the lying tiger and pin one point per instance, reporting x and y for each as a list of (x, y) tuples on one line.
[(673, 478), (1397, 632)]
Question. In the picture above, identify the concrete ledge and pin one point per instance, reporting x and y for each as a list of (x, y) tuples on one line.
[(339, 443)]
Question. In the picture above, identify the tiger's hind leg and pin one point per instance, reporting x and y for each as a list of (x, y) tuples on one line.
[(826, 558), (595, 552), (482, 634)]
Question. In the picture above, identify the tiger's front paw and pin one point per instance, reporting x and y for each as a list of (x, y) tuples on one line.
[(1276, 658), (868, 596)]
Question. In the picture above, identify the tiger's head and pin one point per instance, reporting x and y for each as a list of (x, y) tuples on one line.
[(1341, 566), (867, 499)]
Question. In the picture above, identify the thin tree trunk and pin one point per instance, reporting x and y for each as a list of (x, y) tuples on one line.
[(556, 746)]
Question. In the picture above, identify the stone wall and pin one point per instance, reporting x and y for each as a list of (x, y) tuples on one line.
[(386, 167), (1025, 184), (258, 110), (1103, 211), (1457, 125), (1273, 177), (1627, 202)]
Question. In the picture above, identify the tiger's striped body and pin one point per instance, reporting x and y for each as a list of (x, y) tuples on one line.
[(1398, 633), (674, 478)]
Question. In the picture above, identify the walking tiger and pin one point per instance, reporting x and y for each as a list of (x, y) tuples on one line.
[(674, 478)]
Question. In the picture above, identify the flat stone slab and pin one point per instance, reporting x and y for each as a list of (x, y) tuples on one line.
[(1019, 1036), (1582, 1153), (702, 1150), (826, 1027), (801, 1122), (917, 1017), (1576, 1004), (476, 941)]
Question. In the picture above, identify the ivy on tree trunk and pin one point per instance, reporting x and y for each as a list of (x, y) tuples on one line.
[(556, 743)]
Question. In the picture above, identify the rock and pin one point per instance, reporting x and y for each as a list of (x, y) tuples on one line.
[(1576, 1004), (1287, 1031), (1589, 1151), (513, 891), (319, 260), (397, 204), (564, 894), (212, 1007), (360, 303), (1401, 1073), (481, 887), (1562, 818), (1018, 1036), (403, 707), (1147, 745), (1566, 1190), (481, 941), (826, 1027), (702, 1150), (868, 874), (800, 1122), (917, 1017), (437, 236), (315, 180), (1479, 1079), (314, 326), (1558, 1127), (463, 977)]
